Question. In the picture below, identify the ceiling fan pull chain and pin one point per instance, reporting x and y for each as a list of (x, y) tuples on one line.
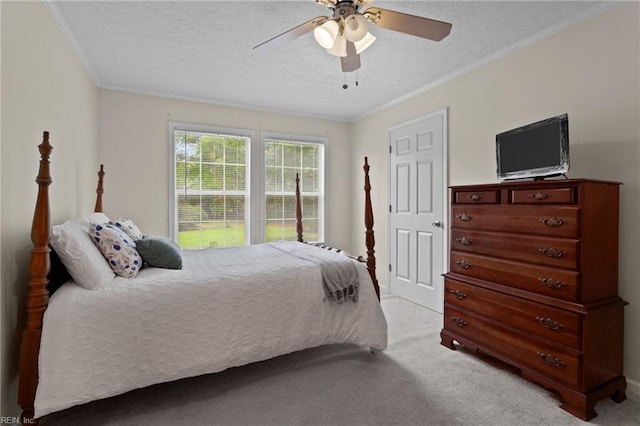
[(345, 86), (356, 77)]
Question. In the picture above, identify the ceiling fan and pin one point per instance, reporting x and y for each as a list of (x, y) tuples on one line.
[(346, 33)]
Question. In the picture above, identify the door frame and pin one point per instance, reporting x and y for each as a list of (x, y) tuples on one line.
[(445, 191)]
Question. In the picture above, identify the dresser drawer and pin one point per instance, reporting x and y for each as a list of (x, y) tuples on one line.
[(550, 323), (556, 252), (553, 221), (521, 350), (543, 196), (554, 282), (476, 197)]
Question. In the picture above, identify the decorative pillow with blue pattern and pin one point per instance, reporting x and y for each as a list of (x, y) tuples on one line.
[(119, 250), (127, 226)]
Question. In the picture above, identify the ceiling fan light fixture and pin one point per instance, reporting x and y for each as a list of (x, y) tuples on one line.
[(346, 33), (356, 27), (326, 33), (339, 47), (363, 44)]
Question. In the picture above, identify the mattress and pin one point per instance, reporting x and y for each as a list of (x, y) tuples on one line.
[(225, 308)]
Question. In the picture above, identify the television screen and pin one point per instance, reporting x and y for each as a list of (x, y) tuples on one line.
[(536, 150)]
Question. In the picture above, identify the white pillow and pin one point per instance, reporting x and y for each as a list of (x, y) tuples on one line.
[(80, 256)]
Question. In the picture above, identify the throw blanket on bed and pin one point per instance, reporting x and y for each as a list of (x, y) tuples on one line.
[(339, 274)]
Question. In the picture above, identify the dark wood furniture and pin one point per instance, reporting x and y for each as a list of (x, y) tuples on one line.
[(533, 281), (47, 273)]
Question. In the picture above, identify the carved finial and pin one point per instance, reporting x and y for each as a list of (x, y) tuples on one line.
[(367, 183), (45, 152), (45, 148), (99, 190)]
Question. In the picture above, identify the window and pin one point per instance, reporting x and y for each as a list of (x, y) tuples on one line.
[(283, 160), (211, 194), (211, 183)]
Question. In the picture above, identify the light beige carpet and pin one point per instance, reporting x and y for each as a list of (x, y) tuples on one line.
[(416, 381)]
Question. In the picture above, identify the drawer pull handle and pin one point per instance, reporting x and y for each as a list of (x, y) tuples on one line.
[(539, 196), (464, 241), (458, 294), (552, 252), (464, 217), (551, 360), (549, 323), (551, 283), (552, 221), (458, 321), (463, 264), (474, 197)]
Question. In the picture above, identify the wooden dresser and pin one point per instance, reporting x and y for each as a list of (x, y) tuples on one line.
[(533, 281)]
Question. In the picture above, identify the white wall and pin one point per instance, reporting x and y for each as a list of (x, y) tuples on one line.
[(134, 147), (44, 87), (590, 71)]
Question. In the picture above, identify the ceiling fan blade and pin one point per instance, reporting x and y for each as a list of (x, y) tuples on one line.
[(291, 34), (351, 62), (408, 24)]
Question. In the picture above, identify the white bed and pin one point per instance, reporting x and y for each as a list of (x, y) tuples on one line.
[(225, 308), (98, 336)]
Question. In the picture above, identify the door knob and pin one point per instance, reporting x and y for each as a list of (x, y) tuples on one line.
[(437, 224)]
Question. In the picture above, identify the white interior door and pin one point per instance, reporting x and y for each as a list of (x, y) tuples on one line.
[(417, 209)]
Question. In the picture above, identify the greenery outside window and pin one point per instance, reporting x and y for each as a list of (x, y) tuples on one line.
[(211, 191), (229, 190), (283, 160)]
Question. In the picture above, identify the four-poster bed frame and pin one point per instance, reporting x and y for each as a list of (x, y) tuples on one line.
[(47, 272)]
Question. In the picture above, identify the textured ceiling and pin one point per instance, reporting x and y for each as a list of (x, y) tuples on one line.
[(203, 50)]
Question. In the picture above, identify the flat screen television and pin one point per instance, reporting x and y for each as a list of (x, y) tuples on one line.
[(536, 150)]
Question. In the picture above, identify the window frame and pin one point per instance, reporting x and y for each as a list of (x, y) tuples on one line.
[(189, 127), (322, 199), (256, 169)]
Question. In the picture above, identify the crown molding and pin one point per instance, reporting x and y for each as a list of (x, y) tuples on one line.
[(58, 17), (541, 35), (71, 39), (220, 103)]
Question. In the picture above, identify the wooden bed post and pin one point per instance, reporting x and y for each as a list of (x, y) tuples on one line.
[(37, 294), (99, 190), (368, 223), (298, 210)]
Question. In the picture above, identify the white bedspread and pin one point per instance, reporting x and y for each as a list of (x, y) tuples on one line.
[(225, 308)]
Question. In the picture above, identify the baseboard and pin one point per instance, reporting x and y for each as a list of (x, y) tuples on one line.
[(633, 390)]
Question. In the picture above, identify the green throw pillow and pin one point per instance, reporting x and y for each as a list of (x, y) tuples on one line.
[(159, 252)]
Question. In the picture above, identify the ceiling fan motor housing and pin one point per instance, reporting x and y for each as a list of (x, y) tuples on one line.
[(344, 9)]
